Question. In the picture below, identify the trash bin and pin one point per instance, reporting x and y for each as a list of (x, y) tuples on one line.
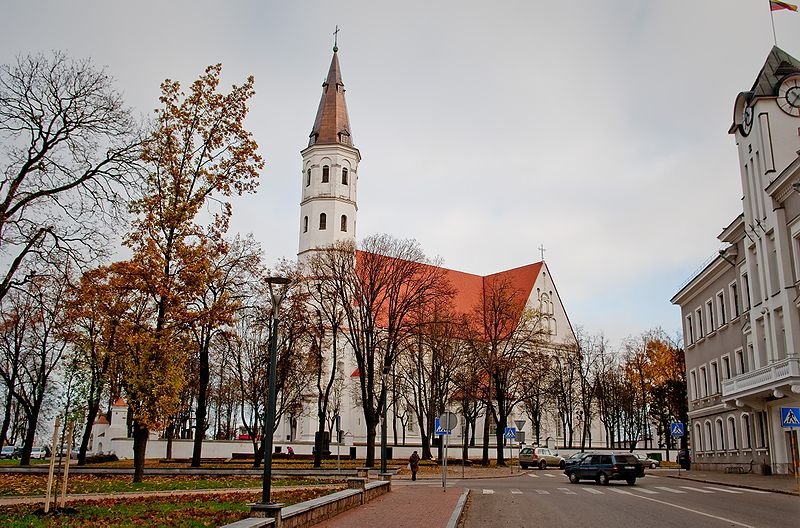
[(352, 452)]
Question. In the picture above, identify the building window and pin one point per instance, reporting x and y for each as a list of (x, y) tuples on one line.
[(723, 315), (732, 444), (698, 314), (344, 223), (726, 367), (323, 221), (709, 440), (714, 378), (746, 440), (698, 438), (305, 224), (733, 297), (720, 440), (741, 367), (308, 177), (689, 330), (344, 176), (703, 382), (746, 288), (326, 172), (693, 387), (761, 418), (710, 315)]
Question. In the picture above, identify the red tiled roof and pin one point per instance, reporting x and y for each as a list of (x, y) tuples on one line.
[(102, 421), (120, 403)]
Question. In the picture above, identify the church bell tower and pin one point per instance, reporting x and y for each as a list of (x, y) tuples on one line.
[(330, 172)]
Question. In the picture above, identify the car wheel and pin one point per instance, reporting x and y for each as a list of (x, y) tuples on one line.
[(602, 479), (573, 477), (524, 466), (653, 465), (631, 481), (562, 465), (543, 464)]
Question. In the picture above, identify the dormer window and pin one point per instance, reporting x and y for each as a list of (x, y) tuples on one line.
[(308, 177), (325, 174), (323, 221), (344, 223), (344, 176)]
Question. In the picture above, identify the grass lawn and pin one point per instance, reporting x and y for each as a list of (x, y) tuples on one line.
[(22, 484), (196, 511)]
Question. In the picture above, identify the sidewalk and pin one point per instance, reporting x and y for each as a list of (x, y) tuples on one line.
[(407, 506), (775, 483)]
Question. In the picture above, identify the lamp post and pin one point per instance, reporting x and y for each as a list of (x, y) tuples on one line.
[(269, 419)]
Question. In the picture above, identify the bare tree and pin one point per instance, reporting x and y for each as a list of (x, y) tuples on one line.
[(70, 152)]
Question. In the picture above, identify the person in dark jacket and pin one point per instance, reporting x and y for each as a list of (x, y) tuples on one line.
[(413, 463)]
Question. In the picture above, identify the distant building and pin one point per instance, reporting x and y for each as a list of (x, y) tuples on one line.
[(741, 313)]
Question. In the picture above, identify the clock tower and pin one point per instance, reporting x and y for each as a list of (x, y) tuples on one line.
[(329, 178)]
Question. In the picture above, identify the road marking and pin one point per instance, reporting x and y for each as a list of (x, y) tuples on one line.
[(532, 475), (488, 492), (549, 475), (723, 490), (664, 488), (651, 476), (696, 489), (567, 491), (698, 512), (592, 490), (542, 492), (752, 490), (648, 491), (623, 492), (516, 492)]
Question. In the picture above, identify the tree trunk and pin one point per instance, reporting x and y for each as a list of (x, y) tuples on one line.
[(170, 433), (371, 432), (140, 436), (202, 404), (501, 459), (6, 418), (485, 457), (320, 440), (465, 442), (94, 408)]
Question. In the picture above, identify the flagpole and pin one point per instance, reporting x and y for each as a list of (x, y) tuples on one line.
[(772, 19)]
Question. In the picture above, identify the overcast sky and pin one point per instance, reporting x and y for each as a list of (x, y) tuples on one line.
[(595, 128)]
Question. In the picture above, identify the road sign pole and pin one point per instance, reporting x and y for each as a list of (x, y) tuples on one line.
[(444, 463)]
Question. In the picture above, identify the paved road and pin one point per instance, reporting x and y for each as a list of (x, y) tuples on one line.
[(546, 498)]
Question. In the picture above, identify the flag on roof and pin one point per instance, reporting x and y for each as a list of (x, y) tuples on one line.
[(776, 5)]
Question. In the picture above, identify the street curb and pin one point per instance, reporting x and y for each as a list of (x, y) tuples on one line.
[(462, 500), (744, 486)]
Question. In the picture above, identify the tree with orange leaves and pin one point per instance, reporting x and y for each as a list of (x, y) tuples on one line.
[(199, 154)]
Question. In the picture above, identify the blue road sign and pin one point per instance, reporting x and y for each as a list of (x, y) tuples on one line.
[(510, 433), (790, 416), (439, 430), (676, 429)]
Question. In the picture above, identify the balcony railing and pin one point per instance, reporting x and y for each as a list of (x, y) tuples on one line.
[(764, 378)]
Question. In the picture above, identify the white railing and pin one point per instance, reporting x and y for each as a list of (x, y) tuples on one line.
[(764, 377)]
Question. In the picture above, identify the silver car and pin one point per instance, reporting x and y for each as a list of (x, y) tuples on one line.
[(648, 462)]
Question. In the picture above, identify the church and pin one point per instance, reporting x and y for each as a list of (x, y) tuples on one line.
[(328, 215)]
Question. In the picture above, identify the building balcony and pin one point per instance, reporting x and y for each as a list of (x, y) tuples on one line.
[(775, 379)]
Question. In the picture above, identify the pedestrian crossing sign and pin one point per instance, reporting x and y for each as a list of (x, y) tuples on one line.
[(510, 433), (790, 416), (676, 429), (439, 429)]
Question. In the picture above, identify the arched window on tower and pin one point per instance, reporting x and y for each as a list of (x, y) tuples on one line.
[(325, 174), (344, 176), (305, 224), (344, 223), (308, 177), (323, 221)]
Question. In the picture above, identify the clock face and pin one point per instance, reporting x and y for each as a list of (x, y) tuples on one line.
[(789, 96), (747, 120)]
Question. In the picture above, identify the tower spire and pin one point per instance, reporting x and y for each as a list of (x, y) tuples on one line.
[(332, 124)]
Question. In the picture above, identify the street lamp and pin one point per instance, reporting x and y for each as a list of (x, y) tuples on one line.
[(269, 419)]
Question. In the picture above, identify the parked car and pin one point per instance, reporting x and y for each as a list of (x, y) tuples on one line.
[(40, 452), (540, 457), (575, 458), (8, 452), (603, 468), (648, 462)]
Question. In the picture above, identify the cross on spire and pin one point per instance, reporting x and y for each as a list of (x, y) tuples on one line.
[(336, 39), (542, 250)]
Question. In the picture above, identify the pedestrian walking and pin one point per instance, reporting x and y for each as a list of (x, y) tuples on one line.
[(413, 464)]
